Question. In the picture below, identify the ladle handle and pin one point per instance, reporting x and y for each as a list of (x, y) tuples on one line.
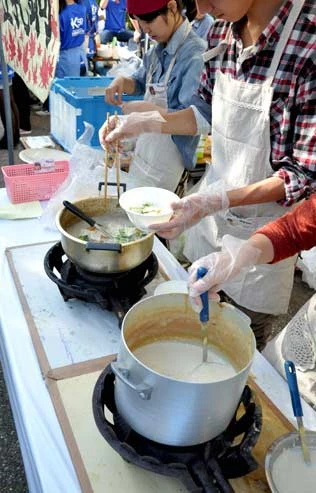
[(293, 387), (204, 313), (78, 212)]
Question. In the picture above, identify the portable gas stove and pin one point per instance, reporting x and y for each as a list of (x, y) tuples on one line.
[(203, 468), (115, 292)]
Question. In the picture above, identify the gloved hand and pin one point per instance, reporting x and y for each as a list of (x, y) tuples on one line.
[(130, 126), (191, 209), (107, 127), (235, 256)]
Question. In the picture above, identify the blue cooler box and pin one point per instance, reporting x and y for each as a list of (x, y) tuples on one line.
[(74, 100)]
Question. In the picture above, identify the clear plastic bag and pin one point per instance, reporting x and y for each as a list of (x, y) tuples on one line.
[(86, 170), (125, 67)]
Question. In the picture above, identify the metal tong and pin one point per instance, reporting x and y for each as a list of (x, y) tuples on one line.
[(297, 407)]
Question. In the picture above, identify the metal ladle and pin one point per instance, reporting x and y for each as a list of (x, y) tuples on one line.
[(204, 319)]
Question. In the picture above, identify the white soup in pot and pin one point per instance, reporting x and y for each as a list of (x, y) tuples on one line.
[(182, 360)]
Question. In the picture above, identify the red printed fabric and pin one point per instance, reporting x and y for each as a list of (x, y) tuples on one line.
[(30, 36), (293, 232), (293, 110)]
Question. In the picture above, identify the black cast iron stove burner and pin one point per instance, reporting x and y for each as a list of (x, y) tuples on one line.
[(115, 292), (203, 468)]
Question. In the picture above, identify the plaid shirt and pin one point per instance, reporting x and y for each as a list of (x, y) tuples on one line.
[(293, 109)]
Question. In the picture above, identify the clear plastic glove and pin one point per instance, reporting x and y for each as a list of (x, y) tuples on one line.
[(130, 126), (191, 209), (108, 127), (235, 256), (139, 106), (114, 92)]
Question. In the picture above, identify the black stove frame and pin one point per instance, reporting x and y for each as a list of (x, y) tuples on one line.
[(203, 468), (116, 292)]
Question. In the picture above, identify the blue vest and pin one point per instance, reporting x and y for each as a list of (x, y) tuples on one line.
[(115, 16)]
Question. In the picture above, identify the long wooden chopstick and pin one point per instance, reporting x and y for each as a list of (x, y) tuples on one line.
[(106, 160), (117, 163)]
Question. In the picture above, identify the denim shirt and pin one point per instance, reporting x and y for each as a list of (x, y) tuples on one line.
[(202, 26), (183, 81)]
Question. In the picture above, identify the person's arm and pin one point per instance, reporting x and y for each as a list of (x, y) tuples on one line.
[(178, 123), (191, 209), (264, 246), (119, 86), (277, 240), (142, 106), (268, 190), (103, 4), (291, 233), (137, 30)]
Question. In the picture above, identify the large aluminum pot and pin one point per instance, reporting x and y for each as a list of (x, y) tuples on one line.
[(171, 411), (101, 257)]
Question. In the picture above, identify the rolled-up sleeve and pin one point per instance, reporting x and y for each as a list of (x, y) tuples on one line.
[(293, 232), (298, 168), (192, 65)]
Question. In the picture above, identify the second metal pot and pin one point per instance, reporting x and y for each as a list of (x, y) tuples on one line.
[(101, 257)]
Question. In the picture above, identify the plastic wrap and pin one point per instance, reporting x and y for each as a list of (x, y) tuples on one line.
[(86, 170)]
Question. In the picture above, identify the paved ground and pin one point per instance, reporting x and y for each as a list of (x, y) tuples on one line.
[(12, 477)]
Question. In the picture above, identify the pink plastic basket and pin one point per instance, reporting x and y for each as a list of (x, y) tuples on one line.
[(23, 184)]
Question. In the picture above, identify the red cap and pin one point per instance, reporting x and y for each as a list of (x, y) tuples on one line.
[(141, 7)]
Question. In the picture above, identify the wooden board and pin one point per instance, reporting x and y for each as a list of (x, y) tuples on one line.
[(274, 424), (75, 383)]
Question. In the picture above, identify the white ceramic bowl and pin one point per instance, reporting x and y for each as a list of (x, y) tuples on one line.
[(158, 198), (290, 441)]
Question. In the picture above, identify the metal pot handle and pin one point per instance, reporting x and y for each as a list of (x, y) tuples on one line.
[(113, 247), (143, 390)]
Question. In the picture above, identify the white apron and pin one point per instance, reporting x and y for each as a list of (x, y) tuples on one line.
[(240, 156), (157, 161)]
